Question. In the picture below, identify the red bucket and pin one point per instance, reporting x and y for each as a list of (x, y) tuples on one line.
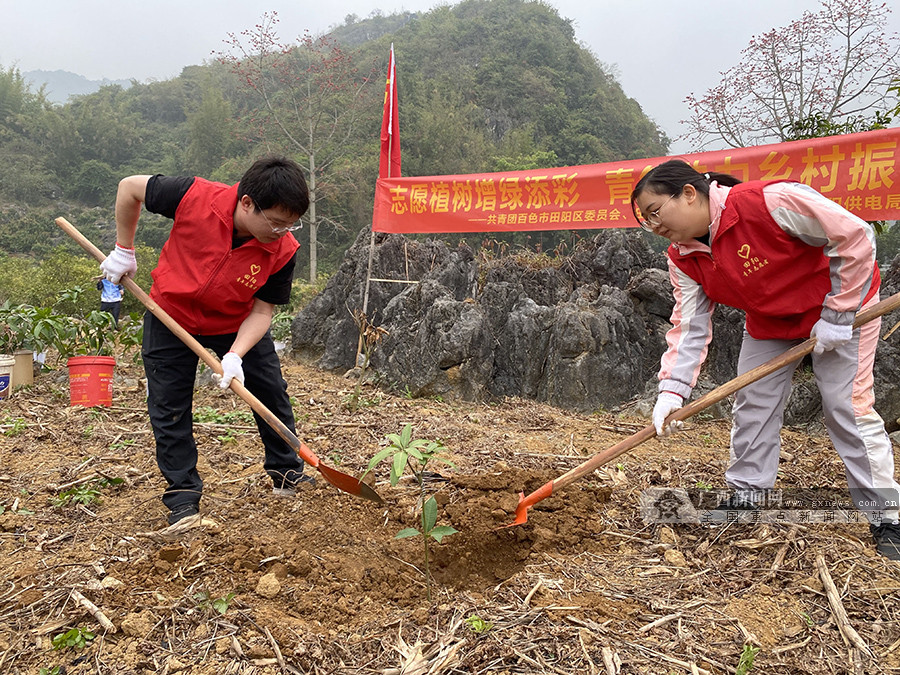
[(91, 380)]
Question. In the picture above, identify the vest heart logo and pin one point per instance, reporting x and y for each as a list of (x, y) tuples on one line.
[(254, 269), (744, 251)]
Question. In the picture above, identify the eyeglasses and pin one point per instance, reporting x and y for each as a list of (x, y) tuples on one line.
[(652, 219), (281, 229)]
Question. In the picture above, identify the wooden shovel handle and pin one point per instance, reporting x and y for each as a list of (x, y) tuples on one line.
[(795, 353)]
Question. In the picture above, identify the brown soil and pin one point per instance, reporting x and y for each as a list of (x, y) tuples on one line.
[(319, 584)]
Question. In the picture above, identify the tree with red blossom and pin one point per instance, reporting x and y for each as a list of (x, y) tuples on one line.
[(311, 96), (829, 71)]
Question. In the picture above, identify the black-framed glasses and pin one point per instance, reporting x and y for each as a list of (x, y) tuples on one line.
[(652, 219), (281, 229)]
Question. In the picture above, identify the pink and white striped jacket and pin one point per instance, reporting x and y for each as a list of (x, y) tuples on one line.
[(781, 252)]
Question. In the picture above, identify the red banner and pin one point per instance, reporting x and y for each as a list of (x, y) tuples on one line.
[(856, 171)]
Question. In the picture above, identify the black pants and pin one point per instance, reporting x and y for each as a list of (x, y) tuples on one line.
[(111, 307), (171, 366)]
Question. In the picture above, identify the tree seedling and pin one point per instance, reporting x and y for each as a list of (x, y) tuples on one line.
[(88, 493), (745, 664), (429, 531), (76, 638), (415, 454), (478, 625), (219, 605)]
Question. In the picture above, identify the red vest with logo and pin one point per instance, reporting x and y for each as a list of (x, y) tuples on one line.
[(779, 281), (201, 282)]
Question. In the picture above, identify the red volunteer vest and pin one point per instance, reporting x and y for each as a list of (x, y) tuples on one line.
[(201, 282), (754, 265)]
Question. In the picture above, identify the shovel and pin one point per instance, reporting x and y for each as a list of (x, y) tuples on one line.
[(716, 395), (341, 481)]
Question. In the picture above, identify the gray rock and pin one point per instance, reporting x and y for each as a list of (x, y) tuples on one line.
[(582, 332), (325, 331), (436, 345), (595, 353)]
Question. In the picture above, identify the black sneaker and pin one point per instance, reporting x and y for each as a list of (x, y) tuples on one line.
[(887, 540), (182, 511), (291, 482)]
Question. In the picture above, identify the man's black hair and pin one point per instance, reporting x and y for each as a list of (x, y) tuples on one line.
[(275, 181)]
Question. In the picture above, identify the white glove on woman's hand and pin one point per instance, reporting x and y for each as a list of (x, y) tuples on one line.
[(830, 335), (231, 370), (667, 403), (119, 263)]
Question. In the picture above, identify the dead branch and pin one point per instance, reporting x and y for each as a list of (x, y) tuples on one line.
[(848, 632), (93, 609), (659, 622)]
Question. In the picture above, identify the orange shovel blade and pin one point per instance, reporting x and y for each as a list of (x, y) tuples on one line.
[(349, 484), (526, 503), (340, 480)]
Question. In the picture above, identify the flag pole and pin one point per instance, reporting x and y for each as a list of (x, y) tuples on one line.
[(390, 95), (359, 354)]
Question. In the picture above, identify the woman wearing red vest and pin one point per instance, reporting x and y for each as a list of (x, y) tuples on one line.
[(798, 265), (227, 263)]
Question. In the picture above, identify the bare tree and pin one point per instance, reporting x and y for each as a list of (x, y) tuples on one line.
[(311, 96), (834, 66)]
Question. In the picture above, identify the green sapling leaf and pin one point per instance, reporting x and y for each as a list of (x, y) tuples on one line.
[(441, 531), (380, 455), (429, 514), (397, 467), (407, 532), (438, 458), (405, 436)]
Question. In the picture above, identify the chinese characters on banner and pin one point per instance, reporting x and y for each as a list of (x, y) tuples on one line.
[(856, 171)]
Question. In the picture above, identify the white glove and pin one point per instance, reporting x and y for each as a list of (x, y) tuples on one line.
[(830, 335), (119, 263), (231, 370), (667, 403)]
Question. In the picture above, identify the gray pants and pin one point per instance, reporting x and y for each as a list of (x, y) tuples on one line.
[(844, 378)]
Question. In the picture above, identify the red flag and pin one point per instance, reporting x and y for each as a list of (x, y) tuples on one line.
[(389, 166)]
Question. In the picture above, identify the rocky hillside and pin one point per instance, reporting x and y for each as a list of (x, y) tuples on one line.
[(582, 331)]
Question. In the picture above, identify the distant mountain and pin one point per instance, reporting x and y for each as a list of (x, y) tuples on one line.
[(61, 84)]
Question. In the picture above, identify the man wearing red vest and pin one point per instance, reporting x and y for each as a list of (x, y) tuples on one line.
[(228, 261), (799, 266)]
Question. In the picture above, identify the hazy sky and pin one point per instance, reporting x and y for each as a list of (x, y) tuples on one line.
[(662, 50)]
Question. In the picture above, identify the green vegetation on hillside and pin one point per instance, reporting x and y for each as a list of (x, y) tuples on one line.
[(485, 85)]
